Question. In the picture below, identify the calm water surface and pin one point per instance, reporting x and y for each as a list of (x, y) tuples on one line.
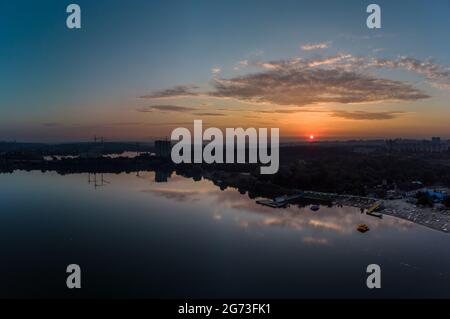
[(134, 237)]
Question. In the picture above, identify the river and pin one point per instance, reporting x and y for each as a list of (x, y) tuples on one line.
[(134, 237)]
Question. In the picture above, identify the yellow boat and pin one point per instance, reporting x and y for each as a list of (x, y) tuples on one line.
[(363, 228)]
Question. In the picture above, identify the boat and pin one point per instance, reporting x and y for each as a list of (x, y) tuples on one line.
[(363, 228), (315, 208)]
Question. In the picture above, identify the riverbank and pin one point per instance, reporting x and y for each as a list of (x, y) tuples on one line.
[(428, 217), (244, 182)]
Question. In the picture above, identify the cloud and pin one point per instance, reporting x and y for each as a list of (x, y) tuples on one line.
[(317, 241), (438, 75), (126, 123), (341, 78), (350, 115), (314, 46), (216, 70), (186, 123), (299, 82), (363, 115), (175, 194), (209, 114), (332, 60), (290, 111), (338, 61), (441, 86), (176, 91), (357, 38), (269, 65), (168, 108), (241, 64)]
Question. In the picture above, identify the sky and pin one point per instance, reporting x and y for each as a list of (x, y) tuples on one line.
[(138, 69)]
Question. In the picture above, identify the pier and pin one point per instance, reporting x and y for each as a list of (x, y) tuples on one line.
[(279, 202), (336, 199)]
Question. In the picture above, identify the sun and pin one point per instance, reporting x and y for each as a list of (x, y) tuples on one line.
[(311, 137)]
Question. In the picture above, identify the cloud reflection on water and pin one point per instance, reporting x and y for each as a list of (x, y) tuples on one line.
[(247, 214)]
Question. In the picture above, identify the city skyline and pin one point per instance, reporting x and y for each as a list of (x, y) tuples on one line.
[(137, 71)]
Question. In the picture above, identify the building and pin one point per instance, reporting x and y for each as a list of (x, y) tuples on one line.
[(436, 145), (162, 176), (437, 194), (163, 148)]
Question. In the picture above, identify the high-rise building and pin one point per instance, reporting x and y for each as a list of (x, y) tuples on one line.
[(436, 145), (163, 148)]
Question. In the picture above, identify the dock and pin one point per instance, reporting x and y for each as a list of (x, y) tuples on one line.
[(279, 202), (337, 199), (373, 210)]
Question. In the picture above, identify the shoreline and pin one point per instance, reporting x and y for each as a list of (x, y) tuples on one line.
[(244, 183), (425, 216), (399, 208)]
